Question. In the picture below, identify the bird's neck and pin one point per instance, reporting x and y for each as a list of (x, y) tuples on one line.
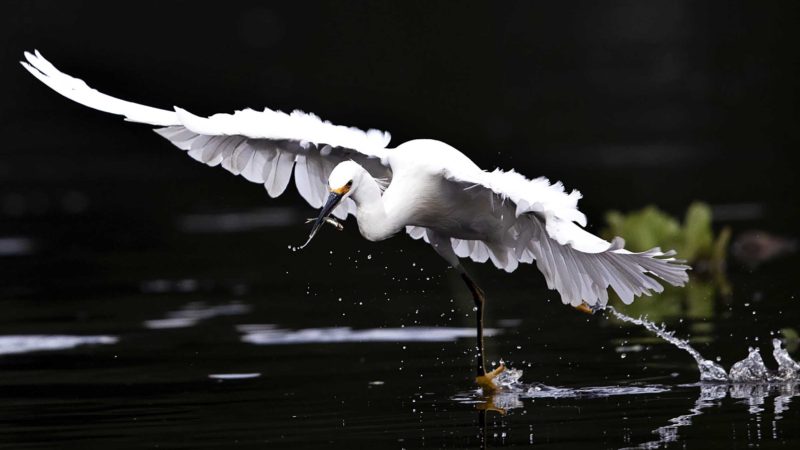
[(376, 221)]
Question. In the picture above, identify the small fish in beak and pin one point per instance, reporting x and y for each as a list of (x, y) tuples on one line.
[(334, 198), (330, 221)]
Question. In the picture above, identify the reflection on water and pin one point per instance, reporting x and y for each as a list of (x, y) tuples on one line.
[(711, 395), (511, 392), (16, 246), (234, 376), (787, 391), (749, 382), (272, 335), (35, 343), (752, 395), (206, 383), (195, 312)]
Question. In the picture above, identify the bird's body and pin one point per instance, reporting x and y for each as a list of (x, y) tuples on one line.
[(420, 196), (425, 187)]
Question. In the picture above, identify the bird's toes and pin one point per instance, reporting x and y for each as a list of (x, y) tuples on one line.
[(486, 381)]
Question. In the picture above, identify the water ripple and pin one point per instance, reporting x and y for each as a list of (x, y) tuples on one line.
[(752, 395), (511, 392), (15, 344), (195, 312), (272, 335)]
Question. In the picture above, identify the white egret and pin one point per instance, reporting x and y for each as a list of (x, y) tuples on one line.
[(424, 187)]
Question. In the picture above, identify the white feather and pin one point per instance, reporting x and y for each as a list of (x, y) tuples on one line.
[(76, 90), (532, 220), (259, 145), (427, 187)]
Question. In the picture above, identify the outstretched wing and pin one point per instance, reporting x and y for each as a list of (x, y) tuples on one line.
[(264, 147), (541, 223)]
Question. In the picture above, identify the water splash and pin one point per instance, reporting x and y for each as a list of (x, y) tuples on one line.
[(788, 369), (511, 391), (709, 370), (509, 378), (749, 370), (749, 382)]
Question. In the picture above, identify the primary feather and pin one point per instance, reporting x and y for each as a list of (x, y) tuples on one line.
[(264, 147)]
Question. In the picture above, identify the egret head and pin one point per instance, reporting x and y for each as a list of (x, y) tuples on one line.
[(344, 177), (342, 182)]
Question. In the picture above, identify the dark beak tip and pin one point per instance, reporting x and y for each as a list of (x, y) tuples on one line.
[(327, 209)]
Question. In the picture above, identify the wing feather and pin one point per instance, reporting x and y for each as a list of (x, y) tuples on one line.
[(282, 173), (254, 170), (302, 182), (546, 228), (77, 91), (264, 147)]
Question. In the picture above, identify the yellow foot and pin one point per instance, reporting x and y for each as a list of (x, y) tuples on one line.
[(585, 308), (485, 381)]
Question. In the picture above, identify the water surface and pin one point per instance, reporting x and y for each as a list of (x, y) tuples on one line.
[(172, 332)]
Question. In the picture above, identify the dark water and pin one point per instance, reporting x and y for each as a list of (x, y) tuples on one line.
[(134, 328)]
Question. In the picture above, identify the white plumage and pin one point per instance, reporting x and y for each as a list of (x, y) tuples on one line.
[(434, 192)]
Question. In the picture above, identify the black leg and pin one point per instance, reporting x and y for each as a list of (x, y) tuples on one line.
[(480, 299)]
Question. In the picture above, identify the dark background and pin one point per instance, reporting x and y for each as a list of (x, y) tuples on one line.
[(631, 102)]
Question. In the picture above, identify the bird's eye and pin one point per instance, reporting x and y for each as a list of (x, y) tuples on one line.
[(350, 183)]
